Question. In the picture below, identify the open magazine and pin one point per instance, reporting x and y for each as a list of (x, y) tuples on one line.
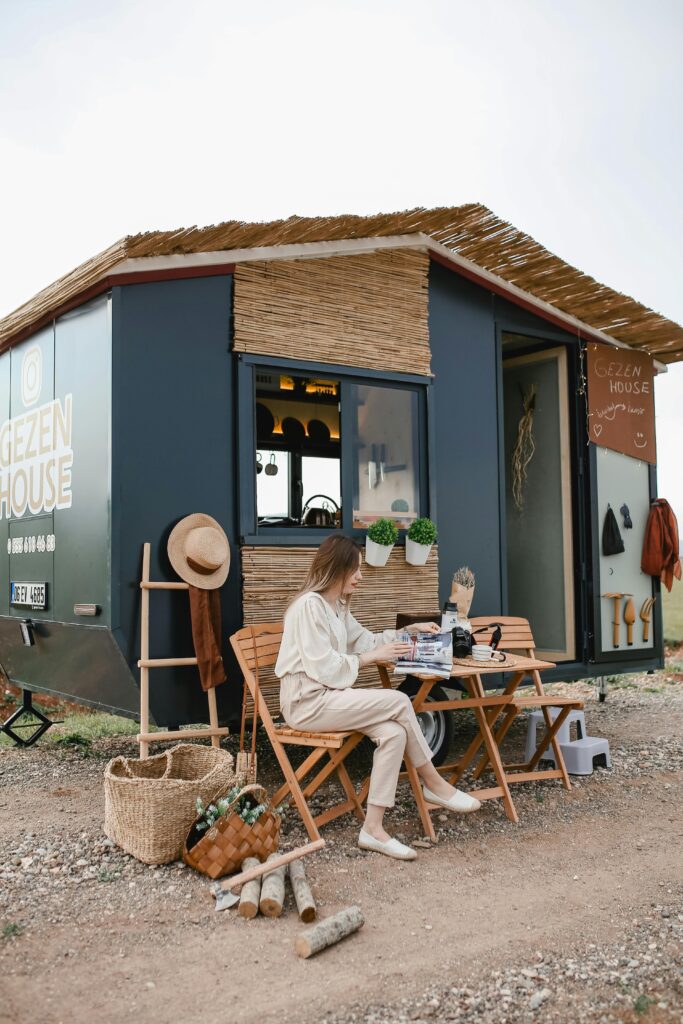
[(431, 654)]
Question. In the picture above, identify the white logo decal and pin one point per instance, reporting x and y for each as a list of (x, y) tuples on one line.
[(31, 375), (36, 460)]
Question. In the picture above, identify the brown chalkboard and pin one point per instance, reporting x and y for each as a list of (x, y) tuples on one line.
[(621, 401)]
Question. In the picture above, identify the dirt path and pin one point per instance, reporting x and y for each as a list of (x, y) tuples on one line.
[(585, 873)]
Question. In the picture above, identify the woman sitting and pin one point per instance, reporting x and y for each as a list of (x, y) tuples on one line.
[(323, 647)]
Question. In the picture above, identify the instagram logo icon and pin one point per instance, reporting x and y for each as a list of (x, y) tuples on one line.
[(31, 375)]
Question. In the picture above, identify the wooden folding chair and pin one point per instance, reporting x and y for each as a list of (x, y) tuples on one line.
[(256, 648), (517, 638)]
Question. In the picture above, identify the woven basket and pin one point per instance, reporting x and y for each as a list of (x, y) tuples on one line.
[(230, 841), (150, 804)]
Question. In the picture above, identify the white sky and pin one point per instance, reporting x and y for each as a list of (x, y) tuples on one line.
[(564, 118)]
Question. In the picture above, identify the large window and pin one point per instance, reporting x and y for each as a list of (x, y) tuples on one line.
[(328, 451), (387, 454)]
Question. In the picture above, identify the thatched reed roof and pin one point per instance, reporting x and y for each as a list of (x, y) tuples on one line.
[(471, 231)]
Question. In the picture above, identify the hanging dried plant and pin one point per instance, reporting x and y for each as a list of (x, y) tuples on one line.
[(524, 449)]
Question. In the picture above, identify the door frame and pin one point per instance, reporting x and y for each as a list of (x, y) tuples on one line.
[(559, 354)]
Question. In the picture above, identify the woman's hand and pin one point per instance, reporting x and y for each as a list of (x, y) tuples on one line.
[(423, 627), (387, 652)]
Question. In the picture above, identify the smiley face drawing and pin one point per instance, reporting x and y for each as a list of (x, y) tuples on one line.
[(640, 441)]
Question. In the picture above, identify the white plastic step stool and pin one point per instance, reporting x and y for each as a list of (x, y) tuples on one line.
[(579, 754), (563, 735)]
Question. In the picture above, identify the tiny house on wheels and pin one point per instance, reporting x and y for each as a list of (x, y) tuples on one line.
[(309, 375)]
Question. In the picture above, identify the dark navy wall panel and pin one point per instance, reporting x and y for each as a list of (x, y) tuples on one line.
[(465, 434), (173, 444), (510, 317)]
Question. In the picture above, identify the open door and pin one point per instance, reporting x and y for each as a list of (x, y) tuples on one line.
[(540, 559)]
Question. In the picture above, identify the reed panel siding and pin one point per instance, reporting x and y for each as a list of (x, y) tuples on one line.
[(368, 310)]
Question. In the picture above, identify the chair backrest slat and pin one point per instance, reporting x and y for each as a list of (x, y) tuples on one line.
[(266, 637), (517, 635)]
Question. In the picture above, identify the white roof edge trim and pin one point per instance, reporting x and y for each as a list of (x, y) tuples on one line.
[(350, 246)]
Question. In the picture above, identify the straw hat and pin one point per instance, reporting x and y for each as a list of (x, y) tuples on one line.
[(199, 551)]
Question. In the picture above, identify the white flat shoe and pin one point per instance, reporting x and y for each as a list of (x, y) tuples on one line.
[(392, 848), (460, 802)]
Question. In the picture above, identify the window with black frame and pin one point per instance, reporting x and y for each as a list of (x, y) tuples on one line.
[(336, 451), (386, 446), (298, 451)]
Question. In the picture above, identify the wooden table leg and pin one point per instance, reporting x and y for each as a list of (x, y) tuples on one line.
[(422, 808), (492, 749), (559, 759), (499, 735), (549, 739), (496, 764)]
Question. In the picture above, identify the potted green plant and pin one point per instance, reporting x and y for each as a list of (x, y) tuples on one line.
[(419, 540), (379, 541)]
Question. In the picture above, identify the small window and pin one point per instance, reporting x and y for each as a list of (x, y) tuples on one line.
[(298, 465), (386, 449)]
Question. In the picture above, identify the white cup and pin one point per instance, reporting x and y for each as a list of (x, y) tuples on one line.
[(482, 652)]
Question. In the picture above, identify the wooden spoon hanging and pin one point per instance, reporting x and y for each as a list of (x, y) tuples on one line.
[(629, 619)]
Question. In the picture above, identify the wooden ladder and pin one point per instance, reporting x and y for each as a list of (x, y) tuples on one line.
[(145, 663)]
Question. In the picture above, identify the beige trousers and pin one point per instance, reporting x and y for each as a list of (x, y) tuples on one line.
[(386, 716)]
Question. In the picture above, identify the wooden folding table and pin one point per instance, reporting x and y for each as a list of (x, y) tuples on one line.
[(487, 709)]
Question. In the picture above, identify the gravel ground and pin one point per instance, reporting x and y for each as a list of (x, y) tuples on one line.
[(71, 901)]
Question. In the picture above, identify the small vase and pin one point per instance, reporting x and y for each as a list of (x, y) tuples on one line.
[(377, 554), (417, 554)]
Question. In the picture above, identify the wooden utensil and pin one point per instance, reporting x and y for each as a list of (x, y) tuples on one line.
[(646, 615), (616, 622), (629, 619)]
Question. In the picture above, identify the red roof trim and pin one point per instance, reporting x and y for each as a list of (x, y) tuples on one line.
[(141, 277)]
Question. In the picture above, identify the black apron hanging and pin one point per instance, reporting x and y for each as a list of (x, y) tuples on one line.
[(612, 544)]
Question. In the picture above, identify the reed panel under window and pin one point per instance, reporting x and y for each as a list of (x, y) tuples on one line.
[(271, 576)]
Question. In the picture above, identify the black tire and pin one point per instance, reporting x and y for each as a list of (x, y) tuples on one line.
[(437, 726), (601, 697)]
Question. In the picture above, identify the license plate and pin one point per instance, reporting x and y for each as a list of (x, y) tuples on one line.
[(28, 595)]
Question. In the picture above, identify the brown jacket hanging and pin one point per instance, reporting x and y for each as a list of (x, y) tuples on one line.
[(660, 548), (205, 612)]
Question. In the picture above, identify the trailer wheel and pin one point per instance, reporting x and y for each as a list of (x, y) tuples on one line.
[(437, 726)]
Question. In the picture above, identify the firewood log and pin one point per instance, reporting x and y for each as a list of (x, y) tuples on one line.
[(273, 890), (326, 933), (302, 892), (249, 897)]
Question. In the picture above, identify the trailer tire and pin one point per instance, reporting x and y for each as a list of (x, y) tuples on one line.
[(437, 726)]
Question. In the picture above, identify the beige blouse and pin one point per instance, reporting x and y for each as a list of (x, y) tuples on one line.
[(324, 642)]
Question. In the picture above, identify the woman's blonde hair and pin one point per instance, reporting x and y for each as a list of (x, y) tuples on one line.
[(336, 558)]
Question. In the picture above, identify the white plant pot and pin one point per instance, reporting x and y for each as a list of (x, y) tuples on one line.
[(377, 554), (417, 554)]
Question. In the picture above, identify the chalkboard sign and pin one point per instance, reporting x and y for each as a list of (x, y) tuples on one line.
[(621, 404)]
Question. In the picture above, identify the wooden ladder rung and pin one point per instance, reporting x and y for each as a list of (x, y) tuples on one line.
[(165, 662), (162, 585), (181, 734)]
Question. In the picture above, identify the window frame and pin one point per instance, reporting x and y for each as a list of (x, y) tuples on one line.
[(293, 536)]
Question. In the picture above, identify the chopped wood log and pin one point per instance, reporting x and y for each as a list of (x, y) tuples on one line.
[(251, 891), (284, 858), (305, 903), (273, 890), (326, 933)]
